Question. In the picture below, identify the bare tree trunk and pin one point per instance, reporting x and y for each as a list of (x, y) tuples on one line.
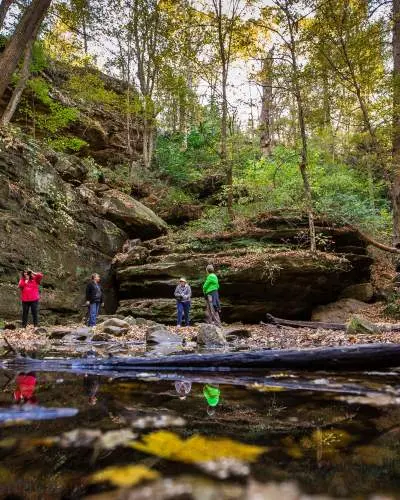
[(148, 143), (396, 123), (4, 7), (267, 105), (25, 30), (302, 127), (20, 87)]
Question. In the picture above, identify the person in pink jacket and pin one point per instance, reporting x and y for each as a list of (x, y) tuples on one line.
[(29, 286)]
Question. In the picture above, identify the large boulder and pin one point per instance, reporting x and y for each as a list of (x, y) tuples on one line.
[(131, 215), (360, 291), (359, 325), (210, 336), (338, 312)]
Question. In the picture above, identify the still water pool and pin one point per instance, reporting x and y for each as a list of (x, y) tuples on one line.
[(273, 436)]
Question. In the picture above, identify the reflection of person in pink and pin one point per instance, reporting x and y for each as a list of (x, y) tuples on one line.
[(29, 286), (26, 386)]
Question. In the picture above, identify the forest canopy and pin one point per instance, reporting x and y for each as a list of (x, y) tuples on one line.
[(243, 106)]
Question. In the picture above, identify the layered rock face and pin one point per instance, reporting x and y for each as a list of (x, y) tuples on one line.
[(264, 269), (53, 220)]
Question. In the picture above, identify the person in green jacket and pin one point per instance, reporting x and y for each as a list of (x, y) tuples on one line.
[(212, 394), (211, 294)]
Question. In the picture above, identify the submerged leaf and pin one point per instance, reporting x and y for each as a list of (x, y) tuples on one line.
[(197, 448), (128, 475)]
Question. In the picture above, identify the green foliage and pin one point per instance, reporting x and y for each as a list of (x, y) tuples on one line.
[(91, 88), (392, 309), (67, 144), (338, 190), (182, 164), (58, 116)]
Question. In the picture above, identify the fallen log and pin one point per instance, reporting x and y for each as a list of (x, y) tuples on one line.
[(320, 324), (303, 324), (348, 358)]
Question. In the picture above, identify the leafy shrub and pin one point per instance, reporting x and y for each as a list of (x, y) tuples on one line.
[(58, 117), (67, 144), (91, 88)]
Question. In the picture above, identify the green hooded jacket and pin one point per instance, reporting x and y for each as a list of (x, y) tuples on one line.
[(211, 284)]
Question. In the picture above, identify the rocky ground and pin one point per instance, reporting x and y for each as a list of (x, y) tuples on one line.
[(130, 334)]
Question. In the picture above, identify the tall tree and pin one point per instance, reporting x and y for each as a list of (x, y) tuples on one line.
[(226, 19), (396, 122), (24, 32), (284, 21), (267, 97)]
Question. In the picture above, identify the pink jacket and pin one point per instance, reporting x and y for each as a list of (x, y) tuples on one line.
[(30, 288)]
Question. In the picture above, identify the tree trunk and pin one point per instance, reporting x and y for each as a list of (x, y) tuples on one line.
[(348, 358), (303, 136), (20, 87), (148, 143), (267, 105), (4, 7), (226, 165), (396, 123), (25, 30), (315, 325)]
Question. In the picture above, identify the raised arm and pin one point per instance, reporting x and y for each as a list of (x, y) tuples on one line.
[(38, 277), (21, 283)]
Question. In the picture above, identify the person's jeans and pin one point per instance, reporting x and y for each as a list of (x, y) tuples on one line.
[(34, 307), (94, 308), (183, 309)]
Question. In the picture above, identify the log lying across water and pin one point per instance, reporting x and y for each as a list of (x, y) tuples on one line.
[(319, 324), (347, 358)]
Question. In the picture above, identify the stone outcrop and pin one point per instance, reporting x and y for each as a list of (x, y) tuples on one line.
[(261, 270), (338, 312), (52, 222)]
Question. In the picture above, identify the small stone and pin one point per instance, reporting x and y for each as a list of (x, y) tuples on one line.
[(131, 320), (162, 336), (41, 330), (101, 337), (155, 328), (59, 333), (115, 330), (141, 321), (210, 336), (358, 325), (238, 332), (120, 323)]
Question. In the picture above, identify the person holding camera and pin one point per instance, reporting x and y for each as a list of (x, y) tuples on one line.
[(183, 294), (29, 286)]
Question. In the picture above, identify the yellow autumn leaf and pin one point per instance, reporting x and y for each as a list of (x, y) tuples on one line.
[(267, 388), (128, 475), (196, 449)]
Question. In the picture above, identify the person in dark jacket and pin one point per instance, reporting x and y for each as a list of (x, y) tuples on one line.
[(94, 298), (183, 294)]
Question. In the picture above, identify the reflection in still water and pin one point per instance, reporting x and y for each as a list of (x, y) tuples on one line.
[(152, 431), (25, 388)]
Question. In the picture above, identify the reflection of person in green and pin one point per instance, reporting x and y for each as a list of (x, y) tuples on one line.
[(212, 394)]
